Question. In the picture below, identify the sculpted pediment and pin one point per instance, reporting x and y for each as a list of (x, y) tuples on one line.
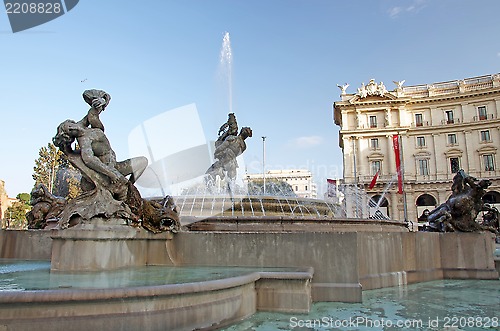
[(453, 152), (422, 155), (375, 156), (372, 98), (487, 149), (372, 92)]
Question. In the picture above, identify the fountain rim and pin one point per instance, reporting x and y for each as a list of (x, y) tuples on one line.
[(315, 219), (69, 294)]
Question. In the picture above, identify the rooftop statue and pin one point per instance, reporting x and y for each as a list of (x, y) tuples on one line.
[(460, 211), (107, 184)]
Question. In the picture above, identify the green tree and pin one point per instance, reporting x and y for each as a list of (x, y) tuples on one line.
[(53, 170), (16, 213), (45, 169), (24, 197)]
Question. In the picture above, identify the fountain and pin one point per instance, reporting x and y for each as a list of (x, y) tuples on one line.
[(253, 252), (108, 257)]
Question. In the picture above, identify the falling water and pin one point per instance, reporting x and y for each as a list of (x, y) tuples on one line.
[(226, 61), (386, 189), (376, 205)]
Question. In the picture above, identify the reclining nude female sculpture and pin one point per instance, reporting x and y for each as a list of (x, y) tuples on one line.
[(107, 192)]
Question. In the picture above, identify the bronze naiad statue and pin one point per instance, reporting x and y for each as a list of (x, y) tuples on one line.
[(228, 147), (107, 192), (460, 211)]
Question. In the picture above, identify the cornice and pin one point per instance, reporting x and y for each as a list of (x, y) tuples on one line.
[(450, 97)]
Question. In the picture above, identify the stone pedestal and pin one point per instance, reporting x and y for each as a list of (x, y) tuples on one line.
[(107, 245)]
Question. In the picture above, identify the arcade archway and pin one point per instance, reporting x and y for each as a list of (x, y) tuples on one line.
[(379, 207)]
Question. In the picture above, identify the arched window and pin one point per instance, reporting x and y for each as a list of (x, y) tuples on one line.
[(425, 204), (379, 207)]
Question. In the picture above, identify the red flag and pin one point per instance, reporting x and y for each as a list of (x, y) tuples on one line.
[(397, 152), (374, 180)]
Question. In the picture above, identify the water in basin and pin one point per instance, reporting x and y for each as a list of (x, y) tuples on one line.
[(20, 275), (435, 305)]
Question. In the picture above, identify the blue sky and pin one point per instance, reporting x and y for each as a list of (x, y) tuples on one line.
[(288, 57)]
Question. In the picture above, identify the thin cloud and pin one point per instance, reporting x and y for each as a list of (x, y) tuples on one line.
[(306, 142), (394, 11), (414, 7)]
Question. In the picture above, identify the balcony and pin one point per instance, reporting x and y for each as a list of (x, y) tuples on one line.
[(484, 117), (419, 124), (450, 121)]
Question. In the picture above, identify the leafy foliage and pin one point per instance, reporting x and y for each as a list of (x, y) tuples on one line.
[(16, 214), (53, 170), (24, 197), (49, 159)]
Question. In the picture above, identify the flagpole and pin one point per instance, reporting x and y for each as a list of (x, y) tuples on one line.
[(355, 177), (405, 208), (264, 162)]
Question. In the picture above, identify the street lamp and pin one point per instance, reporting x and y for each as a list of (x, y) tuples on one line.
[(264, 162)]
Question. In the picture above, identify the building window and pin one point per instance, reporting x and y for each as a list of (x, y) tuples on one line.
[(485, 135), (482, 112), (374, 143), (419, 120), (452, 139), (375, 166), (489, 165), (423, 167), (454, 165), (306, 188), (373, 121), (420, 141), (296, 188), (449, 117)]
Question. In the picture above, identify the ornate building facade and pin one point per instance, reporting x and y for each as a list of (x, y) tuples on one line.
[(437, 129), (300, 180)]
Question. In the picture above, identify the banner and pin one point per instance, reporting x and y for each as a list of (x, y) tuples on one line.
[(331, 188), (374, 181), (397, 152)]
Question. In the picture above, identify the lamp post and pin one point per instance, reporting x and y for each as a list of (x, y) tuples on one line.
[(264, 162)]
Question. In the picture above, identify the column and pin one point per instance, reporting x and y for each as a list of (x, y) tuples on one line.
[(464, 112), (436, 136), (469, 153), (388, 118)]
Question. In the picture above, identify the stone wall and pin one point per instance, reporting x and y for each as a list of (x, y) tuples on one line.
[(344, 263), (332, 255), (25, 245)]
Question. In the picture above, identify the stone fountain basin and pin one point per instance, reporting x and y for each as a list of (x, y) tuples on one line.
[(289, 224), (186, 306)]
